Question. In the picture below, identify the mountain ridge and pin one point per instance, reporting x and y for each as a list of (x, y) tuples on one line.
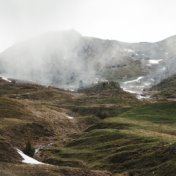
[(65, 58)]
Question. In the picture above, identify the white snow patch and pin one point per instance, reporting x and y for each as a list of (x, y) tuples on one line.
[(130, 91), (138, 94), (27, 159), (155, 61), (137, 87), (69, 117), (135, 80), (5, 79)]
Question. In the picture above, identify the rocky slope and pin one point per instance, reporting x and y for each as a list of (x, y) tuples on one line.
[(65, 58)]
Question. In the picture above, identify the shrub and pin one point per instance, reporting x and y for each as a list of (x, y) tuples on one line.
[(29, 150)]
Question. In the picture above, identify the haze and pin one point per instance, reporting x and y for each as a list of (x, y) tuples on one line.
[(124, 20)]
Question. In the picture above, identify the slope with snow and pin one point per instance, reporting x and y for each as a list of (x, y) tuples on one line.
[(5, 79), (66, 59), (27, 159)]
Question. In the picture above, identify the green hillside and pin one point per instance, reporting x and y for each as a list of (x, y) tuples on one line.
[(110, 132), (165, 89), (140, 141)]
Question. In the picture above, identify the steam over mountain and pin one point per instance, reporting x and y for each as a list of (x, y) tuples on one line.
[(66, 59)]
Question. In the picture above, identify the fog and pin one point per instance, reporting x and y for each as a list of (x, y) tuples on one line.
[(68, 60), (129, 21), (37, 46), (60, 58)]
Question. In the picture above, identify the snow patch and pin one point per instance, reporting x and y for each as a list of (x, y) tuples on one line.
[(70, 117), (27, 159), (155, 61), (135, 80), (136, 87), (130, 91), (5, 79), (138, 94)]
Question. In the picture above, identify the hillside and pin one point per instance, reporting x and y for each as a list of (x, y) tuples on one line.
[(165, 89), (86, 132), (74, 103), (46, 59), (139, 142), (48, 116)]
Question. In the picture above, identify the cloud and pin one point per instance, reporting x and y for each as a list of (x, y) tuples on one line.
[(130, 21)]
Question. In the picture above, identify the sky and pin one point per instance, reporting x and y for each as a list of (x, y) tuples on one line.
[(123, 20)]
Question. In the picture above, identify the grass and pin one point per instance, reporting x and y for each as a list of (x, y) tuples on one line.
[(12, 114), (165, 89), (46, 170), (103, 103), (11, 109), (120, 134), (29, 111), (12, 122), (157, 112), (138, 142)]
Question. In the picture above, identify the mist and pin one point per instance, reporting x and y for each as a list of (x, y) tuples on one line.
[(61, 58), (66, 59), (37, 46), (129, 21)]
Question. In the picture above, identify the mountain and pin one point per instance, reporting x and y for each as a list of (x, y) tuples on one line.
[(66, 58), (99, 129)]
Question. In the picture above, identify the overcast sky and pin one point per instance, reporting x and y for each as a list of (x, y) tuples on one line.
[(124, 20)]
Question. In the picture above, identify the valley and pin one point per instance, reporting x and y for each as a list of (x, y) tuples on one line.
[(98, 131)]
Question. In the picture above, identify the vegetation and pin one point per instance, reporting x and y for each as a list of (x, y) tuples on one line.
[(29, 150), (139, 142), (110, 130), (165, 89)]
